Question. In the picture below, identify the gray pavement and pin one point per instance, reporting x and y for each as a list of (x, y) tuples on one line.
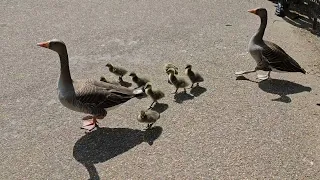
[(230, 130)]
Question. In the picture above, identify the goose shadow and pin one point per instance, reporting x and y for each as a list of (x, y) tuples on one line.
[(104, 144), (182, 96), (282, 88), (279, 87), (197, 91), (160, 107)]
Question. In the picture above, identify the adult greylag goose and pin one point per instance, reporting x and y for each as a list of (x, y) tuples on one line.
[(149, 117), (194, 77), (87, 96), (268, 56), (120, 72), (177, 81)]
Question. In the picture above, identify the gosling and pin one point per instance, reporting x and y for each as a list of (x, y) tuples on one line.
[(194, 77), (138, 80), (170, 65), (149, 117), (178, 82), (154, 94), (120, 72), (103, 79)]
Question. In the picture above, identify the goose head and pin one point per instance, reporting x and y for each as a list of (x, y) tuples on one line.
[(54, 44), (261, 12)]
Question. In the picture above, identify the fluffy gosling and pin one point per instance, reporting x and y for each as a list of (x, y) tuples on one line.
[(138, 80), (103, 79), (154, 94), (170, 65), (178, 82), (149, 117), (194, 77), (117, 71)]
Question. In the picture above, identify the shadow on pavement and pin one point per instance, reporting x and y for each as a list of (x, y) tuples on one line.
[(106, 143), (279, 87), (160, 107), (304, 15), (282, 88), (182, 96), (125, 84), (197, 91)]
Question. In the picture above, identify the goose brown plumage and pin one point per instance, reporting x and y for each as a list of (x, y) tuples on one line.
[(268, 55), (87, 96)]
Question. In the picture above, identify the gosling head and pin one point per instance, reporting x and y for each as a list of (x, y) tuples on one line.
[(188, 66), (170, 71), (142, 114), (109, 65), (133, 74), (103, 79), (148, 86)]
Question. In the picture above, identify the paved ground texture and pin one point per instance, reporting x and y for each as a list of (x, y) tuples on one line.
[(227, 129)]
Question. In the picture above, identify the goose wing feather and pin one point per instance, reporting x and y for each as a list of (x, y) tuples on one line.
[(279, 59)]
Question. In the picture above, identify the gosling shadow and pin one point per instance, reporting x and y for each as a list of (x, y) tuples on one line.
[(197, 91), (160, 107), (107, 143), (121, 83), (125, 83), (282, 88), (182, 96), (242, 78)]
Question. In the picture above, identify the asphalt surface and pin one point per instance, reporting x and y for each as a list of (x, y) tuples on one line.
[(227, 129)]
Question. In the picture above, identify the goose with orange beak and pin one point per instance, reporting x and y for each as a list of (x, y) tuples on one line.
[(268, 56), (87, 96)]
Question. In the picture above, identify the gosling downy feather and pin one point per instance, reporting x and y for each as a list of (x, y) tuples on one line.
[(155, 95), (170, 65), (178, 82), (138, 80), (194, 77), (117, 71), (149, 117)]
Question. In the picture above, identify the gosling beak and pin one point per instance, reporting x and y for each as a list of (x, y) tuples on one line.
[(43, 44), (253, 11)]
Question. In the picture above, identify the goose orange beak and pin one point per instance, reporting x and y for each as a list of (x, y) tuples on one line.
[(43, 44), (253, 11)]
